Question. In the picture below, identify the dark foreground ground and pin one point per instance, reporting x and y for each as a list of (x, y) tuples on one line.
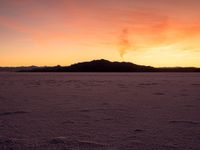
[(99, 111)]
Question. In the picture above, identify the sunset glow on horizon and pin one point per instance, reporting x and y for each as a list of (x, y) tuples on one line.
[(61, 32)]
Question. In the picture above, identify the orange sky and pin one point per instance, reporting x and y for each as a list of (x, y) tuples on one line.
[(52, 32)]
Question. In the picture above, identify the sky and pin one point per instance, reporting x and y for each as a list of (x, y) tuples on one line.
[(160, 33)]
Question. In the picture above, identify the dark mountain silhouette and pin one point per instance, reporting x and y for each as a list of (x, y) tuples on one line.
[(16, 69), (107, 66)]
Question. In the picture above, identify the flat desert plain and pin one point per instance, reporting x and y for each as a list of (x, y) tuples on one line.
[(99, 111)]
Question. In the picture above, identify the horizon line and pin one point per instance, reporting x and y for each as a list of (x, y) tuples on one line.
[(95, 60)]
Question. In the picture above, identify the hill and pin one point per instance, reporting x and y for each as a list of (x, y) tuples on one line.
[(108, 66)]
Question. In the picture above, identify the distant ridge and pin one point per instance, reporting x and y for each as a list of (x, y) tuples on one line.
[(107, 66), (16, 69), (101, 65)]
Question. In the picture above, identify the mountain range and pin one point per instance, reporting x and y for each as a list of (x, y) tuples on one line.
[(102, 65)]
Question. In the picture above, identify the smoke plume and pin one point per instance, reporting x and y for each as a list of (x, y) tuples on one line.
[(124, 43)]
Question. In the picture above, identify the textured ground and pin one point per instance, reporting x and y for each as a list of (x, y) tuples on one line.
[(91, 111)]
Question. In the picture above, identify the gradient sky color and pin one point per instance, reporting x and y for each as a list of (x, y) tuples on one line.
[(52, 32)]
